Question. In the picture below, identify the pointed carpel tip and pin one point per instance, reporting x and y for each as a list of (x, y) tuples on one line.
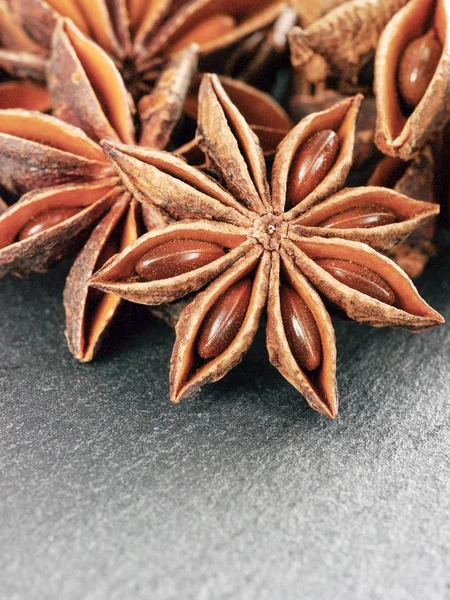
[(440, 319), (331, 411), (194, 48), (94, 281), (58, 31), (175, 397), (106, 145), (109, 149)]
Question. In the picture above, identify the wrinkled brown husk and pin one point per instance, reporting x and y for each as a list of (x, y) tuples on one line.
[(264, 115), (160, 110), (147, 36), (23, 65), (342, 42), (311, 10)]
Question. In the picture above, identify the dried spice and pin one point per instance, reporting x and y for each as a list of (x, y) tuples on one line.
[(258, 58), (414, 178), (250, 249), (303, 104), (71, 183), (342, 43), (265, 116), (412, 86), (141, 35), (20, 59), (311, 10)]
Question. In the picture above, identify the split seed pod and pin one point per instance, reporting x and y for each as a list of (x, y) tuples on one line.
[(414, 49), (264, 115)]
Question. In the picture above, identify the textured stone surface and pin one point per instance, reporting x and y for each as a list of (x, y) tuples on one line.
[(108, 491)]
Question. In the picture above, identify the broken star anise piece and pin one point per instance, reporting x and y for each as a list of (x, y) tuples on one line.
[(412, 86), (248, 248), (39, 152)]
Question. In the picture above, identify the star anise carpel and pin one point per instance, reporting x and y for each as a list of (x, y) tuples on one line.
[(249, 248), (412, 86)]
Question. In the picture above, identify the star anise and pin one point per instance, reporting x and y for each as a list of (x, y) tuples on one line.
[(249, 248), (21, 67), (71, 183), (141, 34), (412, 85)]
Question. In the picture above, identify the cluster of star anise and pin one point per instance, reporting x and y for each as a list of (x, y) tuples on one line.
[(154, 176)]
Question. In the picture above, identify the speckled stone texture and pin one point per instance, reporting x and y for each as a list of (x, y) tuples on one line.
[(108, 491)]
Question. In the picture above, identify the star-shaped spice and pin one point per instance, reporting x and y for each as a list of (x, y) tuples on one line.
[(70, 183), (248, 248)]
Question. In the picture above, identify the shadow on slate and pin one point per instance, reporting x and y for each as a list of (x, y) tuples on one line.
[(110, 492)]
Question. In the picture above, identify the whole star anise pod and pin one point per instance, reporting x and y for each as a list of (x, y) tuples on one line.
[(21, 67), (71, 183), (412, 83), (250, 249), (141, 34)]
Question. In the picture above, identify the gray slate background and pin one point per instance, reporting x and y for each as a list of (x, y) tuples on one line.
[(110, 492)]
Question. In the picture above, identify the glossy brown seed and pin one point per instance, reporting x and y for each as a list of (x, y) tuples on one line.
[(177, 257), (224, 319), (417, 66), (206, 31), (360, 217), (359, 278), (301, 329), (46, 219), (311, 164)]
